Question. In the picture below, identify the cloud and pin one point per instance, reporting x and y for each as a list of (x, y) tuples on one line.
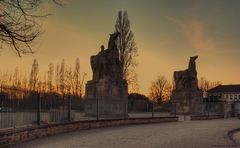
[(194, 30)]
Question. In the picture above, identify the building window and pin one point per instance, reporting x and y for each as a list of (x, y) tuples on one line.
[(235, 97)]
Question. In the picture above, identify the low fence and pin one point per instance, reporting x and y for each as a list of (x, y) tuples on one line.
[(29, 133), (25, 108)]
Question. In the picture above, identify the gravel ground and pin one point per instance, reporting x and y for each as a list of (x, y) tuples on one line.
[(183, 134)]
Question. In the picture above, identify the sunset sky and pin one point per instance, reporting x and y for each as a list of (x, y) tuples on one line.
[(167, 33)]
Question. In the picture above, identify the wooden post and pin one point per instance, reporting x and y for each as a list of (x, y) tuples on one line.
[(152, 109)]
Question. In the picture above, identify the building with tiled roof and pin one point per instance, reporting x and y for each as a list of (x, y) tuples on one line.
[(227, 93), (228, 96)]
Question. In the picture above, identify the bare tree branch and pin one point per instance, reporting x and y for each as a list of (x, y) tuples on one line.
[(19, 25), (160, 89)]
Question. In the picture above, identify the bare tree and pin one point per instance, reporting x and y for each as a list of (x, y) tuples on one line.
[(33, 81), (4, 77), (57, 74), (69, 80), (24, 82), (74, 80), (62, 74), (19, 25), (39, 86), (76, 77), (127, 49), (205, 85), (15, 78), (215, 83), (160, 89), (44, 83), (50, 78), (81, 90)]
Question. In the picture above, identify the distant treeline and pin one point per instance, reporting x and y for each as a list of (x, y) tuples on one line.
[(60, 79)]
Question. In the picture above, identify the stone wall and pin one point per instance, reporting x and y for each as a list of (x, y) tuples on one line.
[(14, 136), (205, 117)]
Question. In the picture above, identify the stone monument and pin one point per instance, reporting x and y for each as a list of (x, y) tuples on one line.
[(107, 93), (187, 97)]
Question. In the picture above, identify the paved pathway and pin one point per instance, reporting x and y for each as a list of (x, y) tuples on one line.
[(183, 134), (236, 136)]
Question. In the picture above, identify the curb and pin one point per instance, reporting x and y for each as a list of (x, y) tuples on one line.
[(13, 137), (230, 136)]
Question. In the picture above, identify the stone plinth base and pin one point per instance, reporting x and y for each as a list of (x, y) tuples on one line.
[(106, 98), (187, 102)]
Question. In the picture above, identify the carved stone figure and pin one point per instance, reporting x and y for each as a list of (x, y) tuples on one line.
[(112, 40), (106, 63), (107, 92), (186, 96), (187, 79)]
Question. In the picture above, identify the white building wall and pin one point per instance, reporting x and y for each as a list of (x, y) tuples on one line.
[(231, 97), (231, 101)]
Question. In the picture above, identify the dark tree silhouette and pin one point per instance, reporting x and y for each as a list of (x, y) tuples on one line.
[(62, 77), (160, 89), (205, 85), (50, 78), (137, 96), (18, 23), (33, 80), (127, 49), (78, 79)]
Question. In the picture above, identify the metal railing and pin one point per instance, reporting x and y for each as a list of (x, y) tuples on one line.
[(27, 108)]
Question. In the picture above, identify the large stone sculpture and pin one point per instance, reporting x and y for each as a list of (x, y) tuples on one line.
[(107, 92), (187, 97)]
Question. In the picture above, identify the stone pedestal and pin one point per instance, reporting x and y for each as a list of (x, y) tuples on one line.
[(106, 98), (188, 102)]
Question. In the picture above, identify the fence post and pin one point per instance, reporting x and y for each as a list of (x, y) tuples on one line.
[(1, 108), (208, 108), (152, 109), (38, 109), (126, 117), (69, 108), (175, 109)]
